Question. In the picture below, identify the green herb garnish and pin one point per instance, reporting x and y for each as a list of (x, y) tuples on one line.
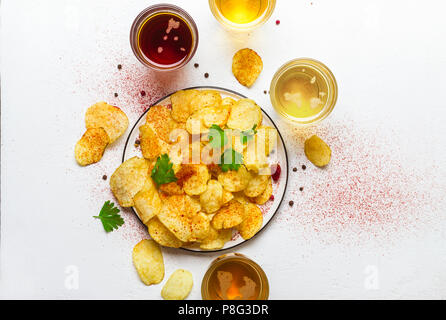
[(217, 137), (248, 135), (109, 216), (163, 173), (231, 160)]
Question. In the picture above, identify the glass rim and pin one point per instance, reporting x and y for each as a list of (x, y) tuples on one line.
[(328, 77), (242, 26), (143, 16)]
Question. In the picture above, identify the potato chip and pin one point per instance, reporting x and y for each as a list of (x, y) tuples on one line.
[(226, 197), (196, 183), (228, 216), (200, 225), (147, 201), (235, 181), (227, 102), (195, 124), (172, 188), (162, 235), (266, 139), (148, 261), (246, 66), (223, 236), (181, 104), (204, 99), (256, 186), (178, 286), (266, 194), (151, 145), (252, 222), (244, 115), (111, 118), (317, 151), (90, 148), (176, 214), (159, 119), (211, 199), (215, 115), (128, 179)]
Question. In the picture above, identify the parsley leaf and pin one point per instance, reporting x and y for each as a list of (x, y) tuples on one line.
[(247, 135), (109, 216), (217, 137), (162, 172), (231, 160)]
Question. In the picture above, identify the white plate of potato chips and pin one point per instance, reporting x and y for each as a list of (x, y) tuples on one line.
[(204, 168)]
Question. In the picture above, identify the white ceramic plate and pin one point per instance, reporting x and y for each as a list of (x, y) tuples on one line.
[(280, 157)]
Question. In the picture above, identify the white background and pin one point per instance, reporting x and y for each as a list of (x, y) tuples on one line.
[(389, 58)]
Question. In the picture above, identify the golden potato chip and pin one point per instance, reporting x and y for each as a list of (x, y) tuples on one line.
[(176, 214), (90, 148), (211, 199), (226, 197), (266, 194), (111, 118), (181, 104), (244, 115), (148, 261), (195, 124), (204, 99), (266, 139), (128, 179), (228, 102), (252, 222), (223, 236), (255, 155), (178, 286), (162, 235), (235, 181), (256, 185), (196, 183), (200, 225), (147, 201), (246, 66), (215, 115), (317, 151), (228, 216), (151, 145), (159, 119), (172, 188)]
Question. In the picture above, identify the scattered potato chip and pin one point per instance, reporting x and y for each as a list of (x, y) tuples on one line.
[(90, 148), (228, 216), (211, 199), (246, 66), (181, 104), (148, 261), (223, 236), (317, 151), (256, 186), (235, 181), (176, 214), (204, 99), (196, 184), (159, 119), (178, 286), (151, 145), (245, 113), (252, 222), (128, 179), (266, 194), (111, 118), (162, 235), (147, 201)]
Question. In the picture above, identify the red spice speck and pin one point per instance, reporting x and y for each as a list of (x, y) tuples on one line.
[(277, 22), (271, 198), (143, 93), (275, 170)]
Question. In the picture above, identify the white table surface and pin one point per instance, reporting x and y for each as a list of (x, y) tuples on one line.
[(371, 225)]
